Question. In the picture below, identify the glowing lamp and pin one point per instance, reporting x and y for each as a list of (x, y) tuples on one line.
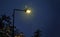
[(28, 11)]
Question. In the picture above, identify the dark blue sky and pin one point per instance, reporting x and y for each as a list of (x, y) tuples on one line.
[(45, 16)]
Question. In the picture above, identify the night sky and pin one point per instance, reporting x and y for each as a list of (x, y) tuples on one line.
[(45, 16)]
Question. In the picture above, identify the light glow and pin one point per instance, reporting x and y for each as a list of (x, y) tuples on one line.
[(28, 11)]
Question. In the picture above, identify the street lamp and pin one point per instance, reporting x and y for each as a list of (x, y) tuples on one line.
[(27, 11)]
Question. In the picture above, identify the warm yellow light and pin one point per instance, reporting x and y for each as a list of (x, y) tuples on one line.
[(15, 36), (28, 11)]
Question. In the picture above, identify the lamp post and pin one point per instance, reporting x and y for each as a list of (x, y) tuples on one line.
[(28, 11)]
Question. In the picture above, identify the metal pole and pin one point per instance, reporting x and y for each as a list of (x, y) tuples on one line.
[(14, 17), (13, 22)]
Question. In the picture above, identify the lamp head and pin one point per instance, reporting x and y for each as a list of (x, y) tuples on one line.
[(28, 11)]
